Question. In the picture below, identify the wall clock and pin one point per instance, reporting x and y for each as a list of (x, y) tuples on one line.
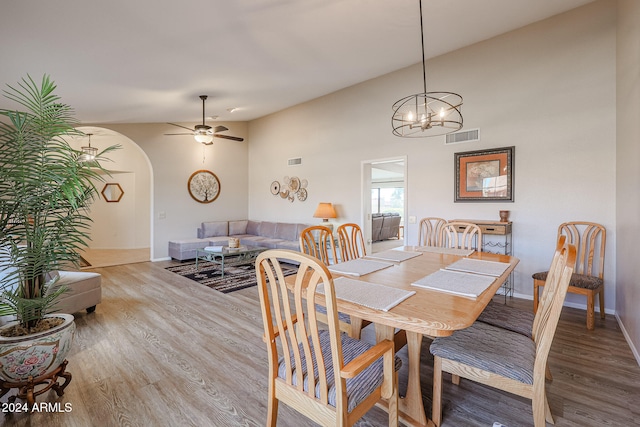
[(203, 186)]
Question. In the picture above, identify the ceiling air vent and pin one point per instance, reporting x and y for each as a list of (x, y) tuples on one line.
[(463, 136), (294, 162)]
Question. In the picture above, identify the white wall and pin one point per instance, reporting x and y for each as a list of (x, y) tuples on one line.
[(548, 89), (126, 224), (174, 158), (628, 171)]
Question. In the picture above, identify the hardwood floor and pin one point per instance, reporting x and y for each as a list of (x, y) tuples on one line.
[(161, 350)]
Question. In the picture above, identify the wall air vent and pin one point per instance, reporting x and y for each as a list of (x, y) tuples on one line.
[(463, 136), (294, 162)]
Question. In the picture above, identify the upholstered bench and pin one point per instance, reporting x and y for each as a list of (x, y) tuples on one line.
[(84, 291)]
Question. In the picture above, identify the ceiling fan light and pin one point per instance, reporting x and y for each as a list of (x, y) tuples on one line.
[(204, 138)]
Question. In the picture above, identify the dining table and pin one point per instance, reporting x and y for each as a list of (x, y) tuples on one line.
[(427, 312)]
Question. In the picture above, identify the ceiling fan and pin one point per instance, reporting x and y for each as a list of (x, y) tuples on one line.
[(204, 133)]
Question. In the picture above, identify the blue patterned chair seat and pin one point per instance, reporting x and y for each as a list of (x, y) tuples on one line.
[(359, 387), (578, 280), (341, 316), (492, 349), (507, 317)]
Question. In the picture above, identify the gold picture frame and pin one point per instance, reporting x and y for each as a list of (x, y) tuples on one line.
[(484, 175)]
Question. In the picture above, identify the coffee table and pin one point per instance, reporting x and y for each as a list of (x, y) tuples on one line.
[(245, 254)]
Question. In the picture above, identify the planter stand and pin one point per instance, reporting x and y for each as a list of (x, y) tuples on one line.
[(26, 389)]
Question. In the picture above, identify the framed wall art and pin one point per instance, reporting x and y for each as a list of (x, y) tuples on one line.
[(112, 192), (203, 186), (484, 175)]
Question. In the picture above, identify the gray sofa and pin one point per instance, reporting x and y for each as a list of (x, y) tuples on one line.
[(272, 235), (384, 226)]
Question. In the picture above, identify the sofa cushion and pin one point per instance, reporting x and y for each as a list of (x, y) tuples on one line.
[(252, 240), (288, 244), (269, 243), (214, 229), (237, 227), (286, 231), (253, 228), (218, 241), (268, 229), (79, 281), (187, 244)]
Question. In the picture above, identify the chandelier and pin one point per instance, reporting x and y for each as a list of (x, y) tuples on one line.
[(427, 113), (89, 153)]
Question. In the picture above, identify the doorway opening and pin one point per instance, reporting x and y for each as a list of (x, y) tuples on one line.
[(384, 202)]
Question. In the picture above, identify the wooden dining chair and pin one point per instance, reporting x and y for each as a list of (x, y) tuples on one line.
[(318, 241), (350, 242), (461, 235), (325, 375), (588, 279), (504, 359), (430, 231), (516, 319)]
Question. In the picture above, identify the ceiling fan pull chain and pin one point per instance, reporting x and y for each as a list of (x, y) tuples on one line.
[(203, 153)]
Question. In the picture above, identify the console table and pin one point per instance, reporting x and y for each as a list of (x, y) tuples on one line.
[(497, 239)]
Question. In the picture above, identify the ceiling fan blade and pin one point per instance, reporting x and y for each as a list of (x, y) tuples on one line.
[(233, 138), (220, 129), (179, 133), (180, 126)]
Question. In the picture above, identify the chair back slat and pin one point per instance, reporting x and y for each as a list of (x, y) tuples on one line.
[(289, 318), (461, 235), (589, 238), (351, 242), (430, 231), (318, 242), (548, 314)]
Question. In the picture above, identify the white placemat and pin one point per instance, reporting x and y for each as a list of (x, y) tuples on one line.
[(454, 282), (394, 255), (449, 251), (478, 266), (372, 295), (358, 267)]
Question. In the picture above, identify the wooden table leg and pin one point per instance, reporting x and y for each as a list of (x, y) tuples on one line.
[(411, 408)]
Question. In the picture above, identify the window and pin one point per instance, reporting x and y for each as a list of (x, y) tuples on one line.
[(389, 199)]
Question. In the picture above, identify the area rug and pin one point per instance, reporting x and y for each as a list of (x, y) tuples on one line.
[(236, 277)]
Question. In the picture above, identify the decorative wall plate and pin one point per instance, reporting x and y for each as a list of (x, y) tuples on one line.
[(294, 184), (275, 188), (302, 194), (203, 186)]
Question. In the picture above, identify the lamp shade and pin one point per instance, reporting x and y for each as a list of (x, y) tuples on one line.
[(325, 211)]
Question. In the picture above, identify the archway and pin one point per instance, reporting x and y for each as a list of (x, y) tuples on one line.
[(121, 228)]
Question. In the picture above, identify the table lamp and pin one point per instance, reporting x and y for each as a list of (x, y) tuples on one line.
[(325, 211)]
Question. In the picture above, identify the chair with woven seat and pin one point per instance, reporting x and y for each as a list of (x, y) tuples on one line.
[(318, 242), (588, 279), (430, 231), (515, 319), (461, 235), (504, 359), (350, 242), (322, 373)]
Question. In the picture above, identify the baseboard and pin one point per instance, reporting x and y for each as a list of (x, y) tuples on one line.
[(161, 259), (634, 350), (566, 304)]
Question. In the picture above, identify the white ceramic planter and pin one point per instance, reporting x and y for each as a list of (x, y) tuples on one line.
[(37, 354)]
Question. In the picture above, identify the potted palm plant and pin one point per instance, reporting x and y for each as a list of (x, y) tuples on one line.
[(46, 187)]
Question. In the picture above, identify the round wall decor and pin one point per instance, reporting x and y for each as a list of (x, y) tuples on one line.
[(203, 186)]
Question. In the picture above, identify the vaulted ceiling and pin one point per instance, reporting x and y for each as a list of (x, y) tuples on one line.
[(135, 61)]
